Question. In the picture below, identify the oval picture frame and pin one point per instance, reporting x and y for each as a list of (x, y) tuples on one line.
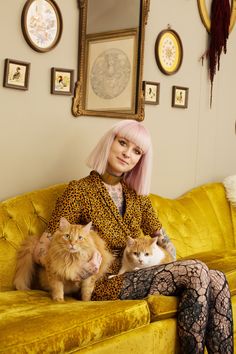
[(41, 23), (168, 51)]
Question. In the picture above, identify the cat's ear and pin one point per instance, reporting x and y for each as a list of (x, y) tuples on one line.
[(88, 227), (63, 225), (130, 241)]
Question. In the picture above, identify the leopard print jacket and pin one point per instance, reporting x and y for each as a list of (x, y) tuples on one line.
[(88, 200)]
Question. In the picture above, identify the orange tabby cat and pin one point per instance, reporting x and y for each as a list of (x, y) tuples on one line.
[(69, 250), (143, 252)]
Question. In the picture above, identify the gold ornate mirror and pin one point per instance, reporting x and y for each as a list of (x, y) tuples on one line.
[(111, 46), (204, 13)]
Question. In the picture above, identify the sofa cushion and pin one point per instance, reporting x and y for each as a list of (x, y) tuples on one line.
[(162, 307), (30, 322)]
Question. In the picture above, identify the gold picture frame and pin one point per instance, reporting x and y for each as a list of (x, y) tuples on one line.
[(180, 97), (16, 74), (168, 51), (110, 73), (62, 81), (41, 23), (206, 18)]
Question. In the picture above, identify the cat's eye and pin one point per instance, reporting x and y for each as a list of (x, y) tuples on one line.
[(80, 238), (146, 254), (67, 236)]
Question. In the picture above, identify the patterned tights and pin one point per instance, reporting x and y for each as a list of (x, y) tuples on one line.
[(205, 313)]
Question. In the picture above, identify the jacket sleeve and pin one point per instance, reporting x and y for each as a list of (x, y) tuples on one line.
[(150, 222), (68, 205)]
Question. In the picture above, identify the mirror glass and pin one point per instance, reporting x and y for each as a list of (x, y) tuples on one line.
[(111, 44)]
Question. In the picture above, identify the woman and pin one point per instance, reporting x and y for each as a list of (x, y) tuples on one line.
[(114, 197)]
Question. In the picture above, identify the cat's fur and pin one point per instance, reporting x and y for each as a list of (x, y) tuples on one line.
[(143, 252), (69, 250)]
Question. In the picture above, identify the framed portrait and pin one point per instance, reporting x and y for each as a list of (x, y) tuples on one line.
[(151, 92), (41, 23), (180, 97), (62, 81), (16, 74), (110, 73)]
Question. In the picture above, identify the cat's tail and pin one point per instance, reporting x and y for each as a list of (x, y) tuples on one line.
[(25, 265)]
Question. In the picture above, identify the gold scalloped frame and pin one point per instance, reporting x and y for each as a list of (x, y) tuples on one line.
[(206, 19)]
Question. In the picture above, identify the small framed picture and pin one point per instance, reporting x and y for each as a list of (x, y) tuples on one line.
[(16, 74), (151, 92), (180, 97), (62, 81)]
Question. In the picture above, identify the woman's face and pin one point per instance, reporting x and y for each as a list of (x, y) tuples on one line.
[(124, 155)]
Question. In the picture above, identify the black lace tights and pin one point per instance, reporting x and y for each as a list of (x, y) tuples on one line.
[(205, 313)]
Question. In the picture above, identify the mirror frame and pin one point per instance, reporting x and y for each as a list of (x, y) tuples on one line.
[(78, 104)]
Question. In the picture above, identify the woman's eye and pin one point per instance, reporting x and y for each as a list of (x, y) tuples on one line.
[(122, 142), (137, 152)]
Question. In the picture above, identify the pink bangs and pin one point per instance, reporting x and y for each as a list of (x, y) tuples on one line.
[(134, 132)]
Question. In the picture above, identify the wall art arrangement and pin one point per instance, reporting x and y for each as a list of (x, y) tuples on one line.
[(151, 92), (41, 23), (62, 81), (16, 74), (180, 97)]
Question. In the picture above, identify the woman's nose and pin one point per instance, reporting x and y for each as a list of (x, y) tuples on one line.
[(126, 153)]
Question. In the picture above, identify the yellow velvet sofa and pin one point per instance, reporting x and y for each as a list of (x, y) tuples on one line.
[(201, 223)]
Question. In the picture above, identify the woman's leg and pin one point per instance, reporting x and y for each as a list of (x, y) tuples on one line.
[(191, 280), (219, 336)]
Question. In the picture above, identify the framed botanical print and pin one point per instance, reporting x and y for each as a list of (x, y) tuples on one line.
[(62, 81), (180, 97), (16, 74), (151, 92)]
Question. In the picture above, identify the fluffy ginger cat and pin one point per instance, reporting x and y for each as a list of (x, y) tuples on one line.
[(143, 252), (69, 250)]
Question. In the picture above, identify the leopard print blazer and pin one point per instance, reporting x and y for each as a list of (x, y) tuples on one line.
[(88, 200)]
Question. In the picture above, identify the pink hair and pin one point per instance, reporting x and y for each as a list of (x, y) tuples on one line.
[(140, 176)]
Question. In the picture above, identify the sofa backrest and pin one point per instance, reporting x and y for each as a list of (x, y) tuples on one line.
[(23, 215), (199, 221)]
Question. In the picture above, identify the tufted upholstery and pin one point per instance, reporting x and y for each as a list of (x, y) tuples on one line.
[(201, 223)]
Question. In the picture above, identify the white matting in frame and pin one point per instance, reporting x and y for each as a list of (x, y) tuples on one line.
[(111, 71)]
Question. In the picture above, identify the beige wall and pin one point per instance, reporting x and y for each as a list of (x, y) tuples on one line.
[(42, 143)]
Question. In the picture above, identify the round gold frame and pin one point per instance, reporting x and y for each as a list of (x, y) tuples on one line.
[(206, 19)]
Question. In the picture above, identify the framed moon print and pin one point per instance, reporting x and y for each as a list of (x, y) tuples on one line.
[(41, 24), (168, 52)]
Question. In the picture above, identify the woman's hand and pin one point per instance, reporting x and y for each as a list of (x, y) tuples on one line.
[(91, 267)]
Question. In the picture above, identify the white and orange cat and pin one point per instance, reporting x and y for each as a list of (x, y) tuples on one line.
[(71, 247), (143, 252)]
